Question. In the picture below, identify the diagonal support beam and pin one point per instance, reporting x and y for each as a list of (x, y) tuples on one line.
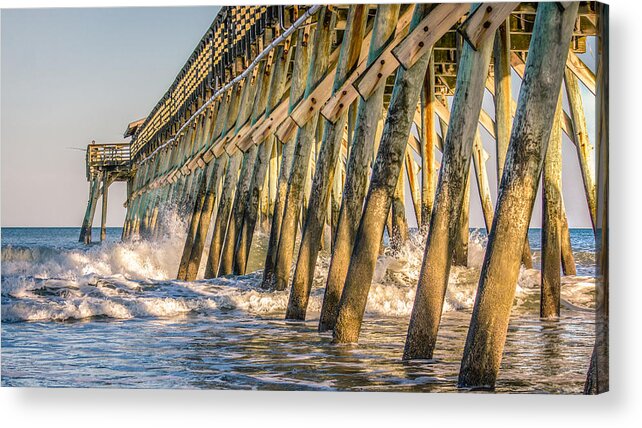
[(412, 48), (484, 20)]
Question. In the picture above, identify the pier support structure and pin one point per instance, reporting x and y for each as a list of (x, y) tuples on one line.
[(305, 117)]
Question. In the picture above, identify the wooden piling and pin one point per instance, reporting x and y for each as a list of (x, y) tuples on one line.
[(480, 156), (238, 210), (529, 139), (251, 201), (568, 260), (128, 201), (428, 138), (216, 170), (103, 217), (193, 227), (335, 199), (273, 177), (137, 217), (154, 220), (503, 99), (94, 193), (223, 214), (385, 176), (415, 191), (265, 150), (204, 222), (483, 186), (234, 187), (301, 157), (144, 216), (132, 218), (226, 196), (597, 379), (284, 165), (361, 150), (460, 247), (149, 215), (259, 101), (297, 88), (161, 211), (399, 223), (503, 96), (550, 282), (449, 200), (326, 166), (582, 142)]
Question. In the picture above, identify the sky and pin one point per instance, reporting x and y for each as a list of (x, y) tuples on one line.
[(69, 76)]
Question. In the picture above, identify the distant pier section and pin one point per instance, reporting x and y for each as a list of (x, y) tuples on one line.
[(105, 164)]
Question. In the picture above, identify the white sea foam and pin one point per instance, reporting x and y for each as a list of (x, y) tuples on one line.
[(137, 260), (129, 280)]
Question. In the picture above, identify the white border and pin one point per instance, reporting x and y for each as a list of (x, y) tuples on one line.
[(160, 408)]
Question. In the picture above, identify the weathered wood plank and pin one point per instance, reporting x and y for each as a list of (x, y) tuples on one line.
[(484, 20), (347, 94), (411, 49), (427, 33)]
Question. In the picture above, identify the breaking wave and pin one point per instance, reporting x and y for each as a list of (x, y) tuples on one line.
[(134, 279)]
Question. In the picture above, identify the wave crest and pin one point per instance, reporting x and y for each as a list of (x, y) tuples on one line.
[(134, 279)]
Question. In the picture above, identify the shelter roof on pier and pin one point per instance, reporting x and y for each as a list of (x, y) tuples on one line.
[(132, 127)]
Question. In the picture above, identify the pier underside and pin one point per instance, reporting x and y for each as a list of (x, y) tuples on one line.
[(307, 121)]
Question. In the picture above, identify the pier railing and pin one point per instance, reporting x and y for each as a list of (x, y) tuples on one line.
[(101, 156), (214, 62)]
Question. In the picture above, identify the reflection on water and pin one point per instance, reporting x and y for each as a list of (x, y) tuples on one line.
[(88, 325), (236, 352)]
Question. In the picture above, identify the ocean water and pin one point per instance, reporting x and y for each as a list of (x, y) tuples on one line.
[(110, 315)]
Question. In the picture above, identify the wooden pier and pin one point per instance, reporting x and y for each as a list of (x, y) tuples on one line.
[(314, 120), (106, 163)]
